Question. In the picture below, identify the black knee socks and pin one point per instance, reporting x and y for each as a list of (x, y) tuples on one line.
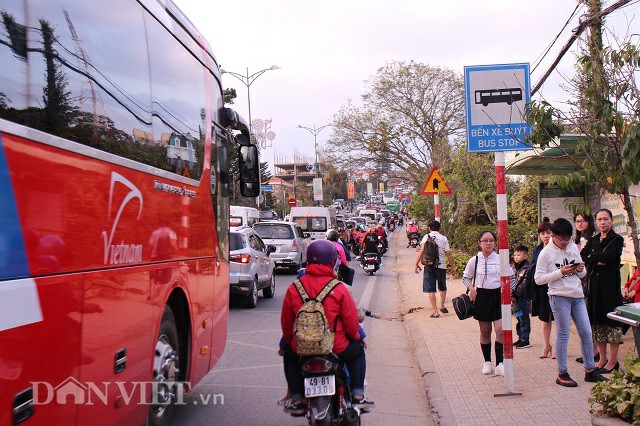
[(498, 353), (486, 351)]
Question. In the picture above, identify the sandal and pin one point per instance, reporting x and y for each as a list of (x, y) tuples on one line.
[(434, 316), (298, 409), (284, 401), (444, 310)]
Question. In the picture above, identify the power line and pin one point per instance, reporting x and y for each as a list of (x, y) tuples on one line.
[(542, 56), (583, 25)]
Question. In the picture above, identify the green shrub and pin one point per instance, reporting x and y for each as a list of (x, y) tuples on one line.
[(619, 396), (464, 238)]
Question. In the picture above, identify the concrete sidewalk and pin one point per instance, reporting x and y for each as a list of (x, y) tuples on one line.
[(449, 358)]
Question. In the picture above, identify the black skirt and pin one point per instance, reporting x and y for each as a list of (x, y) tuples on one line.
[(540, 307), (487, 305)]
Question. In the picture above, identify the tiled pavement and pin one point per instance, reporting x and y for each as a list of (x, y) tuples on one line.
[(449, 357)]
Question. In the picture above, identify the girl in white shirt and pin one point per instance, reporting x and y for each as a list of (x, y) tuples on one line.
[(482, 277)]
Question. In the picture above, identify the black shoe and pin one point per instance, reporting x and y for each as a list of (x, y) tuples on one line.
[(594, 376), (580, 360), (515, 344), (363, 402), (565, 380), (522, 345), (596, 358), (605, 371)]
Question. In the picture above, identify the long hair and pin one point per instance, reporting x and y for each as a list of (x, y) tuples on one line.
[(588, 233)]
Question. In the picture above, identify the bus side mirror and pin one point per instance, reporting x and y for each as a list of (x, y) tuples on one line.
[(249, 171)]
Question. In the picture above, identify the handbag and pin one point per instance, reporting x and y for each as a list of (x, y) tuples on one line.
[(462, 304)]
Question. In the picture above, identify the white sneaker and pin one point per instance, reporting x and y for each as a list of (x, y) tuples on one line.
[(487, 368), (500, 370)]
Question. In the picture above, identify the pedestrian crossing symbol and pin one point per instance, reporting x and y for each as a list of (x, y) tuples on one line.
[(435, 184)]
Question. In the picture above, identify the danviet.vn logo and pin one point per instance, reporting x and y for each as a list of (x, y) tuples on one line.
[(72, 391)]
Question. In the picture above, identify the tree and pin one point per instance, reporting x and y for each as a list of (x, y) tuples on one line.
[(265, 176), (523, 196), (334, 185), (605, 115), (409, 112), (473, 181), (228, 95)]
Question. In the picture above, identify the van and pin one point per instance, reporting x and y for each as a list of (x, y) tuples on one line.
[(243, 216), (314, 220), (370, 213)]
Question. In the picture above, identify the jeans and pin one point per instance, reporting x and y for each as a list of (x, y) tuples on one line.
[(565, 308), (353, 356), (523, 327)]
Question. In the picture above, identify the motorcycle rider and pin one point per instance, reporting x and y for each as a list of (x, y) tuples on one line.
[(382, 235), (341, 312), (370, 245), (411, 231), (343, 266)]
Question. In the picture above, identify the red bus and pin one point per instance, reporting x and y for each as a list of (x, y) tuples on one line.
[(114, 179)]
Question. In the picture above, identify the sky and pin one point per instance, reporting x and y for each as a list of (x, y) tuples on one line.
[(327, 50)]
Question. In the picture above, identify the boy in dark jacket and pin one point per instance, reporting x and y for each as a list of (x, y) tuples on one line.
[(521, 300)]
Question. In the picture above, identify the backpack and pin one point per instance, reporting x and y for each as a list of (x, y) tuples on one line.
[(311, 330), (431, 253), (371, 239)]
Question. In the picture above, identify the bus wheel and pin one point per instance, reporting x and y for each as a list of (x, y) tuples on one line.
[(165, 370)]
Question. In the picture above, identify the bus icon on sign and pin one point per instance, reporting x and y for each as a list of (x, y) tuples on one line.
[(494, 96)]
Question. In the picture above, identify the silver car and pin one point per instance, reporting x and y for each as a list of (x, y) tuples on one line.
[(288, 239), (252, 268)]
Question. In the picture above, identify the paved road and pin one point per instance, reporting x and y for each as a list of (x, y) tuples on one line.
[(250, 376)]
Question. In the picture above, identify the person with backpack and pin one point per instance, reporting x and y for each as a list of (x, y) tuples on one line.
[(434, 252), (312, 303)]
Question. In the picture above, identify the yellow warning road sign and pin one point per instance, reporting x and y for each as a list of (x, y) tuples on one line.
[(435, 184)]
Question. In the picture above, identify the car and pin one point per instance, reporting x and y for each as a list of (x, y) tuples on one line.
[(251, 267), (268, 215), (288, 239)]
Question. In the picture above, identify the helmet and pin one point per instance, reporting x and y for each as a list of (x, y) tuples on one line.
[(322, 252), (410, 222), (332, 235)]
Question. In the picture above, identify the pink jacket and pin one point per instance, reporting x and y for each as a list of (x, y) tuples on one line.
[(341, 254)]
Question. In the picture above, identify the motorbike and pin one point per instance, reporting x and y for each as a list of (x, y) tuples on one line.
[(370, 263), (392, 227), (414, 239), (381, 248), (327, 391)]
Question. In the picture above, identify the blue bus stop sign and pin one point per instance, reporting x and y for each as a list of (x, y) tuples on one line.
[(496, 98)]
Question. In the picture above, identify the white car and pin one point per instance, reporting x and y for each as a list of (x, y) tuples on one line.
[(288, 239), (252, 268)]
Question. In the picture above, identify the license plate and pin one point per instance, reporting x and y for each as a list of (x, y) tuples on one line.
[(370, 267), (319, 386)]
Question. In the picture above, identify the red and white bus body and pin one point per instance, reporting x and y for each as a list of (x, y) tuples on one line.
[(102, 226)]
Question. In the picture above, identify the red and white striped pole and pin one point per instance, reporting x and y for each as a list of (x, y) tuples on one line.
[(503, 247), (436, 206)]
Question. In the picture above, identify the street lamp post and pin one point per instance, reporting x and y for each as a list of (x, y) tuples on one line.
[(315, 131), (248, 80)]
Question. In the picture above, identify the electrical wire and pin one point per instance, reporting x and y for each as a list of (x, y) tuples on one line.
[(541, 57)]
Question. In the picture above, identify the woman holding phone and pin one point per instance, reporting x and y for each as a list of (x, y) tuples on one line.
[(560, 266)]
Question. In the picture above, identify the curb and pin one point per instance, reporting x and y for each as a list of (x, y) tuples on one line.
[(439, 406)]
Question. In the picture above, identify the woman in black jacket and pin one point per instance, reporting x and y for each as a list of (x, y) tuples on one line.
[(602, 255)]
